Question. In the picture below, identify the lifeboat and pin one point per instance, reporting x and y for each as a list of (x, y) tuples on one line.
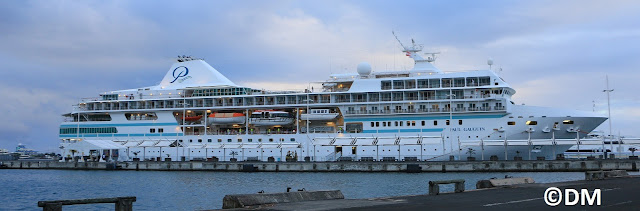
[(226, 118), (192, 118), (319, 115), (270, 118)]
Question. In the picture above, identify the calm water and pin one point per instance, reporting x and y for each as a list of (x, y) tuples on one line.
[(158, 190)]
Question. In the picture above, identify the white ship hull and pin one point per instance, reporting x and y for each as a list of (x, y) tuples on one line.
[(398, 115)]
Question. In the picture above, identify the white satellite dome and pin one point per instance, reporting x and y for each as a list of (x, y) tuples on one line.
[(364, 69)]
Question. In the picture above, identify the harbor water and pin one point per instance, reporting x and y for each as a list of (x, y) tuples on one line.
[(184, 190)]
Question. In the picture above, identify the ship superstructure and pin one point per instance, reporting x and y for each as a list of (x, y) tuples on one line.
[(418, 114)]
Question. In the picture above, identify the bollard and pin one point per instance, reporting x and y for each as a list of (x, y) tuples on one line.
[(434, 188), (493, 158)]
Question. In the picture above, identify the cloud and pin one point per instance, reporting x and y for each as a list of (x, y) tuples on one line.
[(29, 114)]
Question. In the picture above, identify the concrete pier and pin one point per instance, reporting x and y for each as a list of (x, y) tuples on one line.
[(616, 194), (432, 166)]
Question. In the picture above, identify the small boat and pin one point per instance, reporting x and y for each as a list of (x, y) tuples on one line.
[(270, 118), (226, 118), (192, 118), (319, 115)]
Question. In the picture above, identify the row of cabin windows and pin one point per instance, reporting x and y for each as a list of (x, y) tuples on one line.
[(89, 130), (436, 83), (565, 122), (239, 140), (409, 123), (153, 130)]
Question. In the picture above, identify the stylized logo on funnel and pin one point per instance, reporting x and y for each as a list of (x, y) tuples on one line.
[(180, 72)]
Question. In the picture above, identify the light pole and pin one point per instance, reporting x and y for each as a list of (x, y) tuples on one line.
[(608, 91)]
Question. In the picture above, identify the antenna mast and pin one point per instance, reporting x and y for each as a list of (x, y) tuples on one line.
[(608, 91), (394, 34)]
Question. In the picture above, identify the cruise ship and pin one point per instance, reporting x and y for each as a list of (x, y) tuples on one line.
[(422, 114)]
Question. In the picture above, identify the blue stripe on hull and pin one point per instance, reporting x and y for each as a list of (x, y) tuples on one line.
[(404, 130), (119, 125), (364, 119)]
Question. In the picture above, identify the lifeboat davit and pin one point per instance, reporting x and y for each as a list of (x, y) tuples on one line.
[(226, 118)]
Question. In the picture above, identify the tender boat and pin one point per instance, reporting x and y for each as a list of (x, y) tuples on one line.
[(270, 118), (319, 115), (226, 118)]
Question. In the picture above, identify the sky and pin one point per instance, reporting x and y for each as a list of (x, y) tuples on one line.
[(553, 53)]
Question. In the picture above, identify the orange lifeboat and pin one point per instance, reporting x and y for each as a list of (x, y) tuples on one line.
[(192, 118)]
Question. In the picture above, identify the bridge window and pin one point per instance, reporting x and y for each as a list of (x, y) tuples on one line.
[(385, 85), (484, 81), (532, 123), (434, 83), (511, 123), (567, 122), (423, 83), (410, 84), (398, 84), (458, 82), (446, 82)]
